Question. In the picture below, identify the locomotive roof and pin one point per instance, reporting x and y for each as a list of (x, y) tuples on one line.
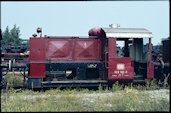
[(127, 33)]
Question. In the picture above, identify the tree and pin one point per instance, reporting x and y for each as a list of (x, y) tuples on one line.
[(5, 36), (11, 37)]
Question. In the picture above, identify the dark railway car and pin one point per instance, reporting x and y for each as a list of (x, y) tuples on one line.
[(166, 50), (90, 61), (14, 57), (162, 62)]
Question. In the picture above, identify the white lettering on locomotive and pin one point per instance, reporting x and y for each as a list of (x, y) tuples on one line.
[(92, 65), (120, 73)]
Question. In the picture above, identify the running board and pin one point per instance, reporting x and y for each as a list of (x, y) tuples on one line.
[(74, 83), (138, 81)]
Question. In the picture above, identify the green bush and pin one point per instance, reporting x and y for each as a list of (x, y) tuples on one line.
[(116, 87)]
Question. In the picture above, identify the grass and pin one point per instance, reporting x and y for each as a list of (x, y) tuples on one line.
[(14, 80), (117, 98), (73, 100)]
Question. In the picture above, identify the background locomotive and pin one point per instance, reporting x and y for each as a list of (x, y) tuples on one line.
[(14, 58), (161, 59), (90, 61)]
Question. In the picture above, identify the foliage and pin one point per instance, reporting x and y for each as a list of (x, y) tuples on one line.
[(117, 98), (11, 37), (116, 86), (166, 78), (151, 84), (55, 100), (13, 80)]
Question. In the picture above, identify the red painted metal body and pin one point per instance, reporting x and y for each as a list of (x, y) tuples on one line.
[(37, 50), (87, 49), (65, 49), (119, 68), (37, 70), (37, 57), (150, 64), (59, 49), (150, 71), (51, 51), (97, 31)]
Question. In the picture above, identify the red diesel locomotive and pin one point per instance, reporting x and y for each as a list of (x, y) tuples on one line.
[(93, 60)]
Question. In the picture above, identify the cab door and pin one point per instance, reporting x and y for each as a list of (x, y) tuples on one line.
[(120, 59)]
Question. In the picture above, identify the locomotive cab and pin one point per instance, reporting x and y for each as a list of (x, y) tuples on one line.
[(128, 57)]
